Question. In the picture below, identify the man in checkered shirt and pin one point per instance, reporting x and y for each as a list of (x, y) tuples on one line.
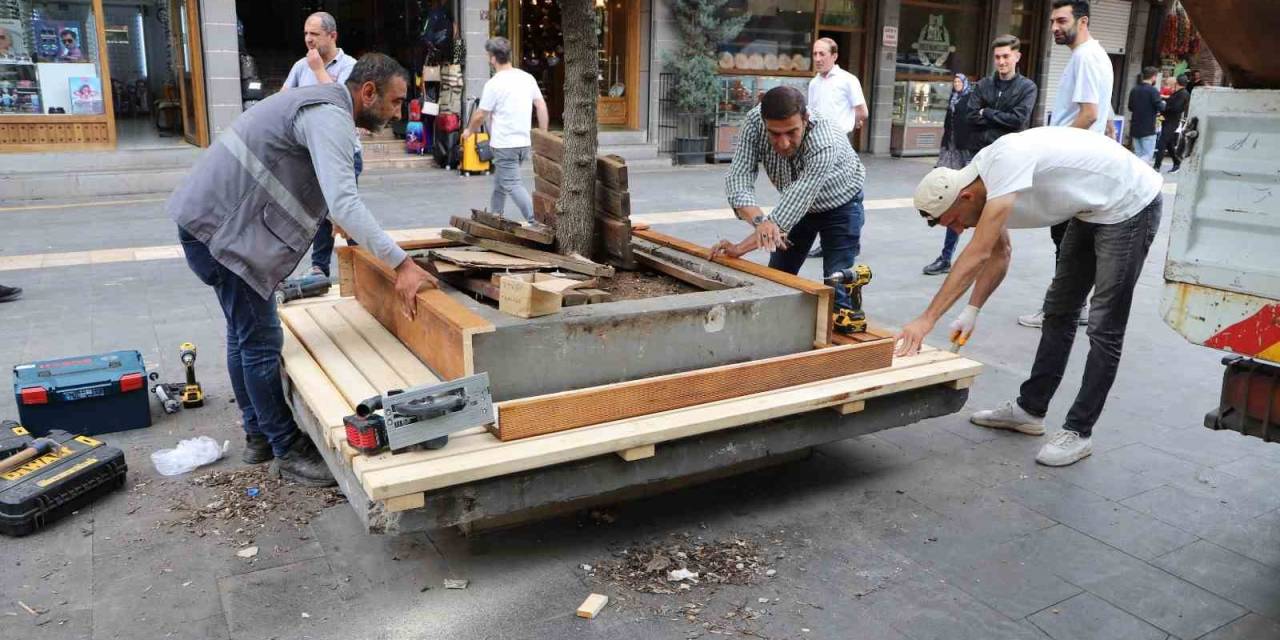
[(809, 160)]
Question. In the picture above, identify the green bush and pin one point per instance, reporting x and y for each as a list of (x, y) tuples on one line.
[(703, 26)]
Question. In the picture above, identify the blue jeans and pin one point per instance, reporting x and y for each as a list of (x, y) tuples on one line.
[(841, 232), (949, 245), (1145, 147), (254, 340), (322, 244), (506, 182), (1108, 259)]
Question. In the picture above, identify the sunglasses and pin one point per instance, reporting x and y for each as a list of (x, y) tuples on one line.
[(928, 219)]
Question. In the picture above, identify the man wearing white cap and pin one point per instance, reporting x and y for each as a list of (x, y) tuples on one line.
[(1038, 178)]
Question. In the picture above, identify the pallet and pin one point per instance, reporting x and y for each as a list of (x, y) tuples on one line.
[(334, 354)]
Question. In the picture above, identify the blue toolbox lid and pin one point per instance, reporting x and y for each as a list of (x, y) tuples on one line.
[(79, 377)]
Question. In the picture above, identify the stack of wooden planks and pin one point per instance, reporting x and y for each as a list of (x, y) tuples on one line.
[(613, 196)]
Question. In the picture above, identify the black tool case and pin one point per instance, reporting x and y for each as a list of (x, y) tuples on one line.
[(55, 484)]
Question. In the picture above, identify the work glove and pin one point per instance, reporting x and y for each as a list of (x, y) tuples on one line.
[(962, 326)]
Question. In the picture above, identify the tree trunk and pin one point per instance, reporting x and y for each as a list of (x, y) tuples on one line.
[(575, 219)]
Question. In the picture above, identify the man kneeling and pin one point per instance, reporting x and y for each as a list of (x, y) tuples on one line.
[(1039, 178)]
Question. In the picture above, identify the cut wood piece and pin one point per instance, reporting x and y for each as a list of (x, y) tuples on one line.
[(637, 453), (678, 272), (613, 203), (592, 606), (440, 333), (361, 354), (325, 401), (345, 376), (614, 236), (443, 268), (487, 259), (426, 243), (912, 372), (405, 503), (639, 226), (547, 169), (596, 296), (611, 171), (540, 236), (548, 145), (480, 286), (346, 281), (485, 231), (963, 383), (526, 299), (607, 403), (392, 350), (847, 408), (546, 186), (544, 209), (564, 262)]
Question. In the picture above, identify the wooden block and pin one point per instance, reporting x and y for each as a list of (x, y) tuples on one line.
[(614, 236), (346, 280), (592, 606), (405, 502), (962, 383), (564, 262), (607, 403), (611, 171), (613, 203), (637, 453), (487, 259), (540, 236), (548, 145), (678, 272), (596, 296), (850, 407), (485, 231), (544, 209), (426, 243), (547, 169), (541, 185), (479, 286), (525, 300)]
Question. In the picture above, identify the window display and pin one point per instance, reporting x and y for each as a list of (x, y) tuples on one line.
[(738, 95), (777, 38), (939, 38), (49, 59)]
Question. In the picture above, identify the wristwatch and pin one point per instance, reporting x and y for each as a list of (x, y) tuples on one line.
[(755, 222)]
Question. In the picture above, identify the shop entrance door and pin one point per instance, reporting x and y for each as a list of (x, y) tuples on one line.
[(184, 16)]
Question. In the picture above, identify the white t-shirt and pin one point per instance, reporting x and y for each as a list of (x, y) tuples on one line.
[(1087, 78), (1061, 173), (835, 96), (508, 97)]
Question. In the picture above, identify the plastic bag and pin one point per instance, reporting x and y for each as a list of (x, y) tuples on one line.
[(188, 455)]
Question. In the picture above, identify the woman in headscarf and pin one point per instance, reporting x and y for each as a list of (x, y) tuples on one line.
[(955, 154)]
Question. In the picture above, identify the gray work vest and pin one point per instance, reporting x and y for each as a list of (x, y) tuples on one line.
[(252, 198)]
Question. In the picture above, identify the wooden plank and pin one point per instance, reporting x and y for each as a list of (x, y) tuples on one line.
[(963, 383), (526, 299), (547, 169), (592, 606), (607, 403), (678, 272), (405, 502), (488, 259), (484, 231), (914, 372), (346, 281), (361, 354), (441, 332), (407, 365), (850, 407), (349, 381), (564, 262), (614, 236), (613, 203), (548, 145), (442, 268), (545, 186), (540, 236), (426, 243), (544, 209), (325, 401), (482, 287), (611, 171), (637, 453)]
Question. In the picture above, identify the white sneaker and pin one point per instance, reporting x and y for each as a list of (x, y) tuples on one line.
[(1034, 320), (1009, 416), (1064, 448)]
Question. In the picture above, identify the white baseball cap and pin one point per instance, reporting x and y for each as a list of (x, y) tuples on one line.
[(940, 188)]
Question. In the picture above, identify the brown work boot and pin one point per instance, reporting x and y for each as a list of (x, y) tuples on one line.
[(257, 449), (303, 464)]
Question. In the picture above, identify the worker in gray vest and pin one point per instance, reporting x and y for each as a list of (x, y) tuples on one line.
[(247, 213)]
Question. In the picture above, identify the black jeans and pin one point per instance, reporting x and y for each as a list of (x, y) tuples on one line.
[(841, 232), (254, 340), (322, 244), (1107, 258), (1167, 145)]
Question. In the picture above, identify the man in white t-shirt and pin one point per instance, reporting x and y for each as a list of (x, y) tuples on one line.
[(509, 99), (1038, 178), (1083, 100), (836, 94)]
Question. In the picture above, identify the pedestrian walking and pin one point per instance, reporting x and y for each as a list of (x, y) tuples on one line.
[(1038, 178), (508, 101), (837, 94), (1144, 105), (1175, 110)]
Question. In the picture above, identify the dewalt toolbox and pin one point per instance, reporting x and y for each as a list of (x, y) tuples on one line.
[(76, 472), (85, 394)]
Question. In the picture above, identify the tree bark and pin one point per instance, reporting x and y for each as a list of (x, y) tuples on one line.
[(575, 210)]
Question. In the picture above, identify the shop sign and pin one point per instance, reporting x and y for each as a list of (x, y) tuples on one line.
[(934, 44), (890, 36)]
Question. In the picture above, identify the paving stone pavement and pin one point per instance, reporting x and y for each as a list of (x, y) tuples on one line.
[(936, 530)]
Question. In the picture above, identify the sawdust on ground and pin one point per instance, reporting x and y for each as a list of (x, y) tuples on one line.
[(638, 285)]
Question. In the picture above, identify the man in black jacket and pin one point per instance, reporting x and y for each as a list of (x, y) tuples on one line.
[(1002, 102), (1145, 104), (1174, 108)]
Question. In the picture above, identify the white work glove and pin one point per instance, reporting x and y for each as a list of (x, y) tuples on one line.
[(962, 326)]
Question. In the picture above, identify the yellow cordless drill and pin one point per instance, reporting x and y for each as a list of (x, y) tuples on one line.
[(192, 394), (853, 280)]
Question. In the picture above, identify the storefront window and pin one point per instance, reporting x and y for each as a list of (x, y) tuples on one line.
[(843, 13), (49, 59), (940, 38), (776, 40)]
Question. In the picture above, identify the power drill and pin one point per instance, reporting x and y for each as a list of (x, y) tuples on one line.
[(852, 320), (308, 286), (192, 394)]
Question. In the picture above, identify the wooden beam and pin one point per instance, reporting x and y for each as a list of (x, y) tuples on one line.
[(962, 383), (548, 145), (613, 203), (614, 238), (484, 259), (611, 171), (346, 280), (316, 388), (426, 243), (544, 209), (357, 350), (607, 403), (547, 169), (541, 236), (564, 262), (678, 272), (637, 453), (847, 408), (545, 186), (479, 286), (349, 381), (484, 231), (405, 502)]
